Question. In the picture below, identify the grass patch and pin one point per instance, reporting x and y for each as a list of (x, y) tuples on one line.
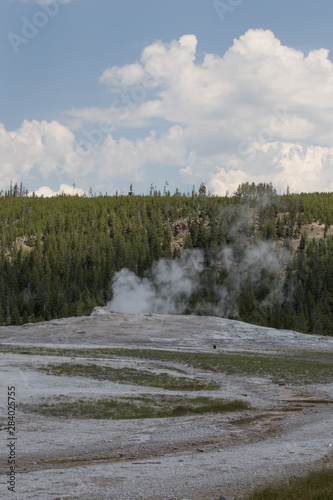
[(160, 366), (157, 406), (316, 485), (293, 367), (131, 376)]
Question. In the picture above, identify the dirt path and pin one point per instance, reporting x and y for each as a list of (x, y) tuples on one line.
[(202, 457)]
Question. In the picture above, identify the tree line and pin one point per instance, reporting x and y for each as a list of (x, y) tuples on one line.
[(58, 255)]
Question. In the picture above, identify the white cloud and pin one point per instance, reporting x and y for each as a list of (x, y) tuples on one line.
[(125, 76), (260, 112), (47, 192), (94, 158), (242, 88), (35, 146), (304, 168)]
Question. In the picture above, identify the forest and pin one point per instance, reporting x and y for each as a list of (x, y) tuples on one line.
[(267, 258)]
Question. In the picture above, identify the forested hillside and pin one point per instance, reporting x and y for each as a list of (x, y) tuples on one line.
[(268, 259)]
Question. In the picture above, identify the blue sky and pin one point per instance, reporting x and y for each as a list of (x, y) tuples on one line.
[(103, 94)]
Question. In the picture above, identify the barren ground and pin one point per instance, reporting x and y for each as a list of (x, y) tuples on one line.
[(288, 430)]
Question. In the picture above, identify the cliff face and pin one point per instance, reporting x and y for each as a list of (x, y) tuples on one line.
[(181, 227)]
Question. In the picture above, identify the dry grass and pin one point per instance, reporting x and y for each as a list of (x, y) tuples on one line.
[(316, 485)]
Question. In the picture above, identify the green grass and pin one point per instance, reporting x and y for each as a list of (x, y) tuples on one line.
[(298, 367), (290, 367), (131, 376), (157, 406), (316, 485)]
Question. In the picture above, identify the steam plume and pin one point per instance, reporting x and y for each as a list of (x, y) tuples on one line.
[(166, 291)]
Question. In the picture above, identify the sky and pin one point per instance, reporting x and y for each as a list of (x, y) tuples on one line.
[(101, 94)]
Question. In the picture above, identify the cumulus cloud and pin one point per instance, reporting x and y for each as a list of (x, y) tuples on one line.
[(260, 112), (244, 87), (125, 76), (47, 192), (34, 147), (91, 157)]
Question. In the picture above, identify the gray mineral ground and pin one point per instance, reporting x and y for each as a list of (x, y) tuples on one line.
[(287, 430)]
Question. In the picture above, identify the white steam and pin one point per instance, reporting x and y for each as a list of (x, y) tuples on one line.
[(169, 284), (261, 266), (166, 291)]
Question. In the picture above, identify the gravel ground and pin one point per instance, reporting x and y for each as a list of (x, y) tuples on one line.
[(288, 431)]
